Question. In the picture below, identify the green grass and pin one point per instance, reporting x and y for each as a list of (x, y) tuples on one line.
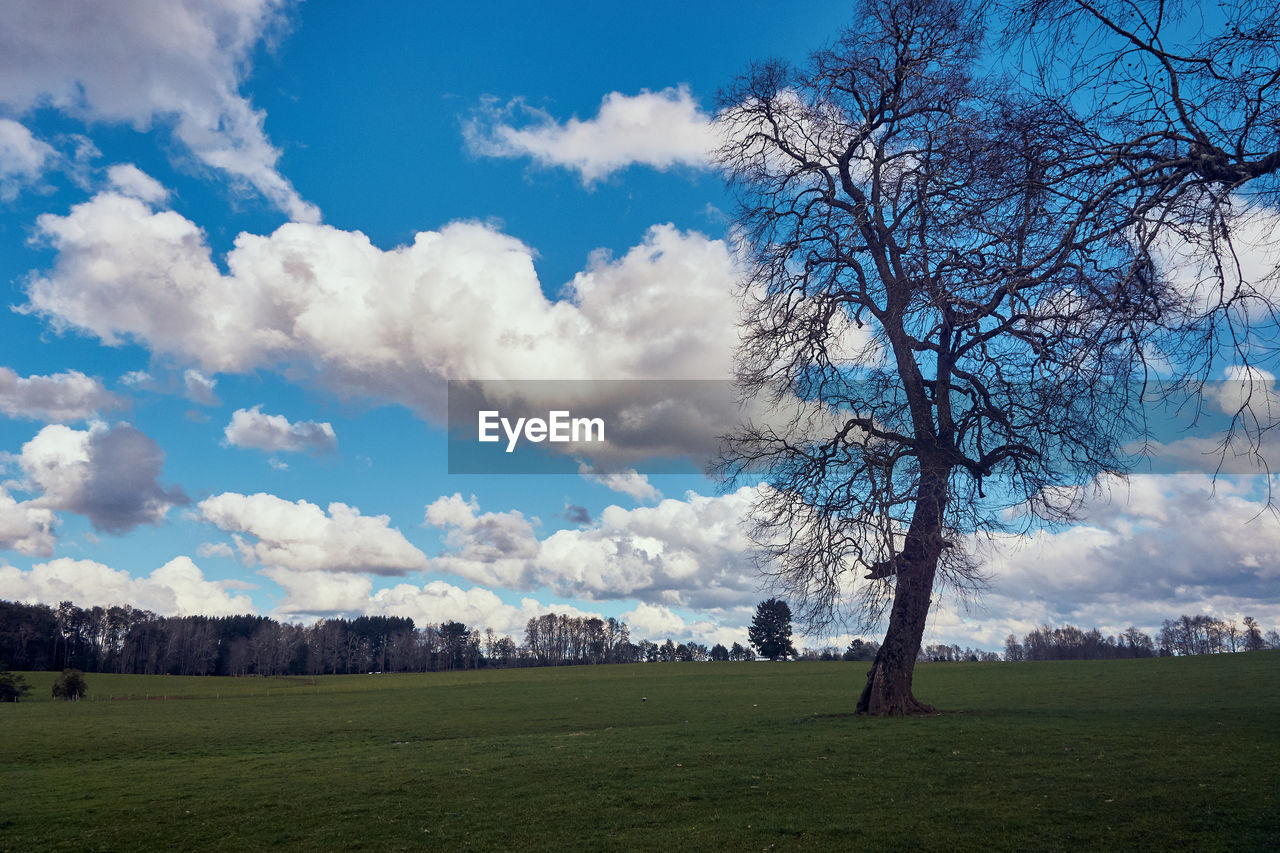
[(1173, 754)]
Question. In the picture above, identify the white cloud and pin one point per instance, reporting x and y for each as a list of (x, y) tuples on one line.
[(690, 553), (1147, 550), (23, 158), (25, 527), (1249, 392), (628, 482), (69, 396), (658, 129), (462, 302), (214, 549), (301, 537), (320, 593), (252, 429), (312, 594), (146, 62), (178, 588), (648, 620), (127, 179), (109, 474), (496, 548), (199, 388), (476, 607), (1199, 265), (1150, 548)]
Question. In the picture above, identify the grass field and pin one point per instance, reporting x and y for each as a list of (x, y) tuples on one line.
[(1171, 754)]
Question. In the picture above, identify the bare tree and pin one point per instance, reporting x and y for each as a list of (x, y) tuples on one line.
[(958, 287), (1253, 635)]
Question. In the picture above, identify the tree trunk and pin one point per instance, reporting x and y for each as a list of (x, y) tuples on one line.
[(888, 689)]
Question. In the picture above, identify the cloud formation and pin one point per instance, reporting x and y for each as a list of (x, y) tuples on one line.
[(177, 63), (1147, 549), (199, 388), (23, 158), (657, 129), (109, 474), (25, 527), (250, 428), (649, 620), (301, 537), (128, 180), (321, 594), (69, 396), (178, 588), (691, 553), (628, 482), (461, 302)]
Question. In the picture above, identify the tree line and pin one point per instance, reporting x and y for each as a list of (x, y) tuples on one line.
[(1186, 635), (124, 639)]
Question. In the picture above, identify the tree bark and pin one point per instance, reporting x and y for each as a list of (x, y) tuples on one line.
[(888, 689)]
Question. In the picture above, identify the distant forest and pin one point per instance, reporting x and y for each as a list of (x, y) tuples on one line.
[(1186, 635), (128, 640)]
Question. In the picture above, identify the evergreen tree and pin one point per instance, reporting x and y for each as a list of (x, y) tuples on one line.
[(770, 630)]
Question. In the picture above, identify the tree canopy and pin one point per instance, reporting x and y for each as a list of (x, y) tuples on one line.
[(980, 243), (13, 687), (770, 630), (70, 686)]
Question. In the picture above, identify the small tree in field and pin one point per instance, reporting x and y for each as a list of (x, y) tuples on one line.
[(13, 687), (770, 630), (70, 686), (1253, 635)]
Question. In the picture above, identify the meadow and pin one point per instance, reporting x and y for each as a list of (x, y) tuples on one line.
[(1164, 754)]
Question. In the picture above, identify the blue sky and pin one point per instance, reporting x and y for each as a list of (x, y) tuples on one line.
[(246, 243)]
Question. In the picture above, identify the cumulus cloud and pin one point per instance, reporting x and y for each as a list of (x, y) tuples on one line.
[(690, 553), (1147, 549), (25, 527), (127, 179), (575, 514), (1249, 392), (321, 594), (178, 588), (461, 302), (250, 428), (69, 396), (199, 388), (23, 158), (178, 63), (1249, 265), (658, 129), (301, 537), (214, 549), (109, 474), (628, 482), (649, 620), (497, 548)]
